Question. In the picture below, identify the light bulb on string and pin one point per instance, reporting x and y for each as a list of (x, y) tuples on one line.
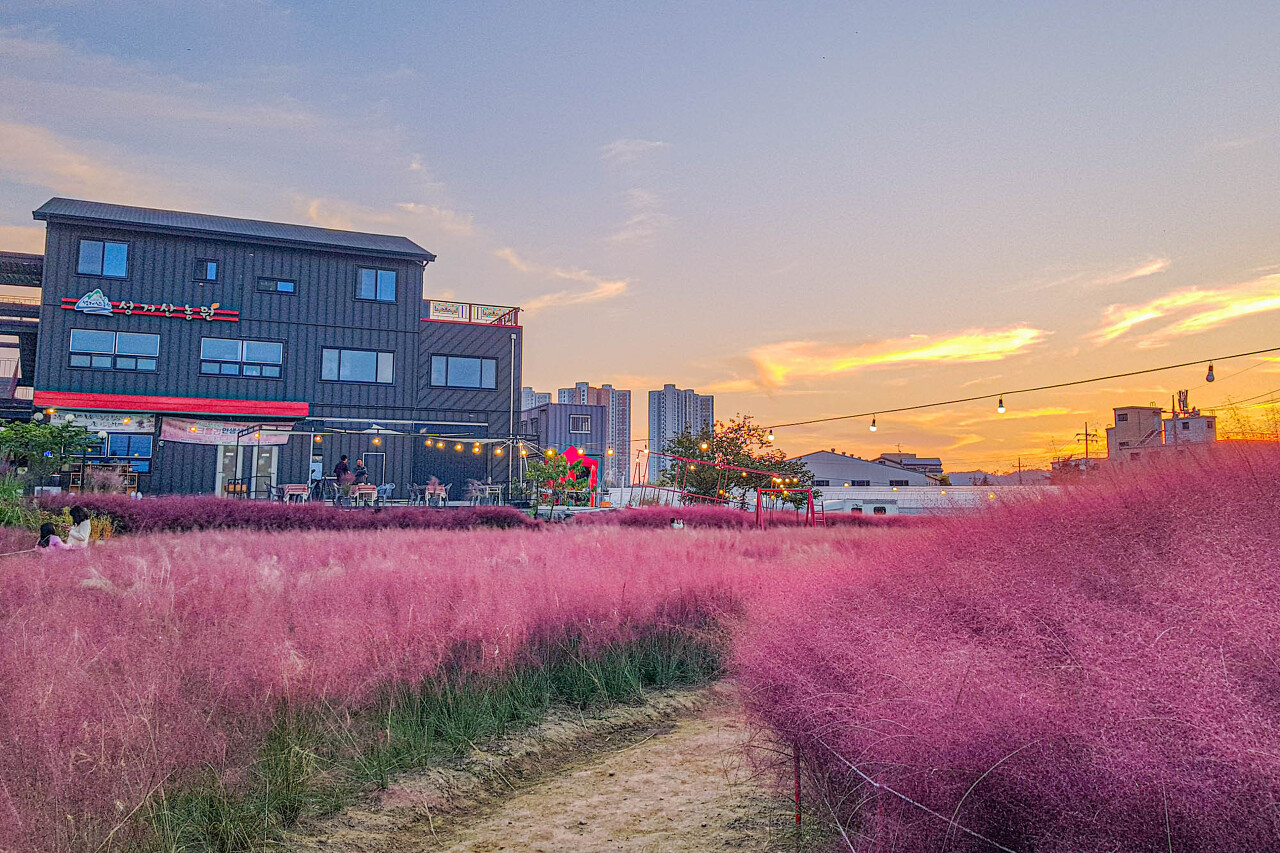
[(873, 424), (1208, 377), (1000, 406), (770, 436)]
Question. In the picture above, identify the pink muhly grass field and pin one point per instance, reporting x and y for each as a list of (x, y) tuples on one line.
[(729, 517), (176, 513), (1092, 673), (130, 669)]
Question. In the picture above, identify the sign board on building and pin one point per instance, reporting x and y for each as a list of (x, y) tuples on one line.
[(113, 422), (198, 431), (487, 313), (437, 310), (94, 302)]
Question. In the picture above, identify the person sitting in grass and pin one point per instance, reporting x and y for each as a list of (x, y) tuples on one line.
[(81, 530), (50, 539)]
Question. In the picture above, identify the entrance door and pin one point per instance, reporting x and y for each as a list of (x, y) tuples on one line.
[(377, 465), (249, 473)]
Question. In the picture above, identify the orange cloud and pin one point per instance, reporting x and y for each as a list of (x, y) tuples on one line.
[(1151, 267), (782, 362), (1204, 309)]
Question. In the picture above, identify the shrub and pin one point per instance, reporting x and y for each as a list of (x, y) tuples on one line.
[(178, 513), (1096, 672)]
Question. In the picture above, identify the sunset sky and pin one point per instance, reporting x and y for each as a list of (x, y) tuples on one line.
[(806, 209)]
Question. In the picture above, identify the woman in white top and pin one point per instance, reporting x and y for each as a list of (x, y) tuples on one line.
[(81, 529)]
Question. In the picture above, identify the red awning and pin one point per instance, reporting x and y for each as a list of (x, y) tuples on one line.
[(170, 405)]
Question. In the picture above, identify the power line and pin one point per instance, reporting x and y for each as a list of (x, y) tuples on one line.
[(1055, 385)]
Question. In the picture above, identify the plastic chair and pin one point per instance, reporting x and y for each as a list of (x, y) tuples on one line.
[(385, 491)]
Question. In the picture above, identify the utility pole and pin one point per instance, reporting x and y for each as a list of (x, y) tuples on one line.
[(1019, 470), (1086, 436)]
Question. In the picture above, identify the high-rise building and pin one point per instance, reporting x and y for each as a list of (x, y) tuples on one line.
[(674, 412), (530, 399), (617, 465)]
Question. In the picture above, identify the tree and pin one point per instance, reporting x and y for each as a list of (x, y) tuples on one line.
[(740, 443), (564, 478), (43, 448)]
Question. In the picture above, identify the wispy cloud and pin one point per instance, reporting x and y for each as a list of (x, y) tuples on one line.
[(1150, 267), (1014, 414), (1199, 309), (599, 289), (38, 156), (647, 217), (630, 150), (783, 362), (407, 217)]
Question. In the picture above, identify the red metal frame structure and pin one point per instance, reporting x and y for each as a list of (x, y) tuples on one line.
[(812, 513)]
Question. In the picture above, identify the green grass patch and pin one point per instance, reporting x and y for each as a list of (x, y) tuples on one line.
[(315, 761)]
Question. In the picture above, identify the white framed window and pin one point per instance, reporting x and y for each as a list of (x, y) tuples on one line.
[(580, 423)]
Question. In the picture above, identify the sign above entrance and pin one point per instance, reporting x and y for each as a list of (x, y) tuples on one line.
[(94, 302), (197, 431), (112, 422)]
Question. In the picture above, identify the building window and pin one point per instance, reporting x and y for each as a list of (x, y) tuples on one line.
[(230, 357), (104, 258), (376, 285), (579, 423), (1208, 424), (879, 510), (1122, 418), (456, 371), (860, 482), (899, 482), (130, 448), (1186, 424), (276, 285), (100, 350), (206, 270), (357, 365), (1124, 444), (822, 482)]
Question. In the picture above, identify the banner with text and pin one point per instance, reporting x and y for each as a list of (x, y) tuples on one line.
[(196, 431)]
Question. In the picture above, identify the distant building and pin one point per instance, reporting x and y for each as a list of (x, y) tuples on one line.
[(617, 468), (674, 412), (833, 470), (911, 462), (1142, 430), (560, 426), (530, 399)]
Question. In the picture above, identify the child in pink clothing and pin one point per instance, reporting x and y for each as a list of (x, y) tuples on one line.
[(49, 539)]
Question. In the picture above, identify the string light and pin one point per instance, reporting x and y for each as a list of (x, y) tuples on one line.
[(1000, 406), (497, 451), (127, 421), (1051, 387), (703, 445), (609, 452), (439, 444), (1208, 377), (377, 440), (551, 451), (770, 436), (458, 447), (873, 424), (317, 440)]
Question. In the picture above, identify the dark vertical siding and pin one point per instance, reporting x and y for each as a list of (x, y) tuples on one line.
[(322, 313)]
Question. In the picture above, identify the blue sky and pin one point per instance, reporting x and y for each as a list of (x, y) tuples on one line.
[(809, 209)]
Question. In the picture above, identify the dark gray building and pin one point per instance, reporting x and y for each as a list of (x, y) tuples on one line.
[(559, 426), (219, 351)]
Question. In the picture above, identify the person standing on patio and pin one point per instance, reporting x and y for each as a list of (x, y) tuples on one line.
[(342, 469), (361, 472)]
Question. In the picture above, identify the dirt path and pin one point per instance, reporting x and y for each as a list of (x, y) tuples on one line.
[(669, 777)]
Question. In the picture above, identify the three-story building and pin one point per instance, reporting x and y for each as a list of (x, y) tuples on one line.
[(217, 351)]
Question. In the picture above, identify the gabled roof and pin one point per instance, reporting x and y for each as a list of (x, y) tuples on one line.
[(226, 227)]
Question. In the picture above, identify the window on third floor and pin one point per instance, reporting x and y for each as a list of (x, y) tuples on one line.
[(376, 285), (206, 270), (103, 257), (357, 365), (456, 371)]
